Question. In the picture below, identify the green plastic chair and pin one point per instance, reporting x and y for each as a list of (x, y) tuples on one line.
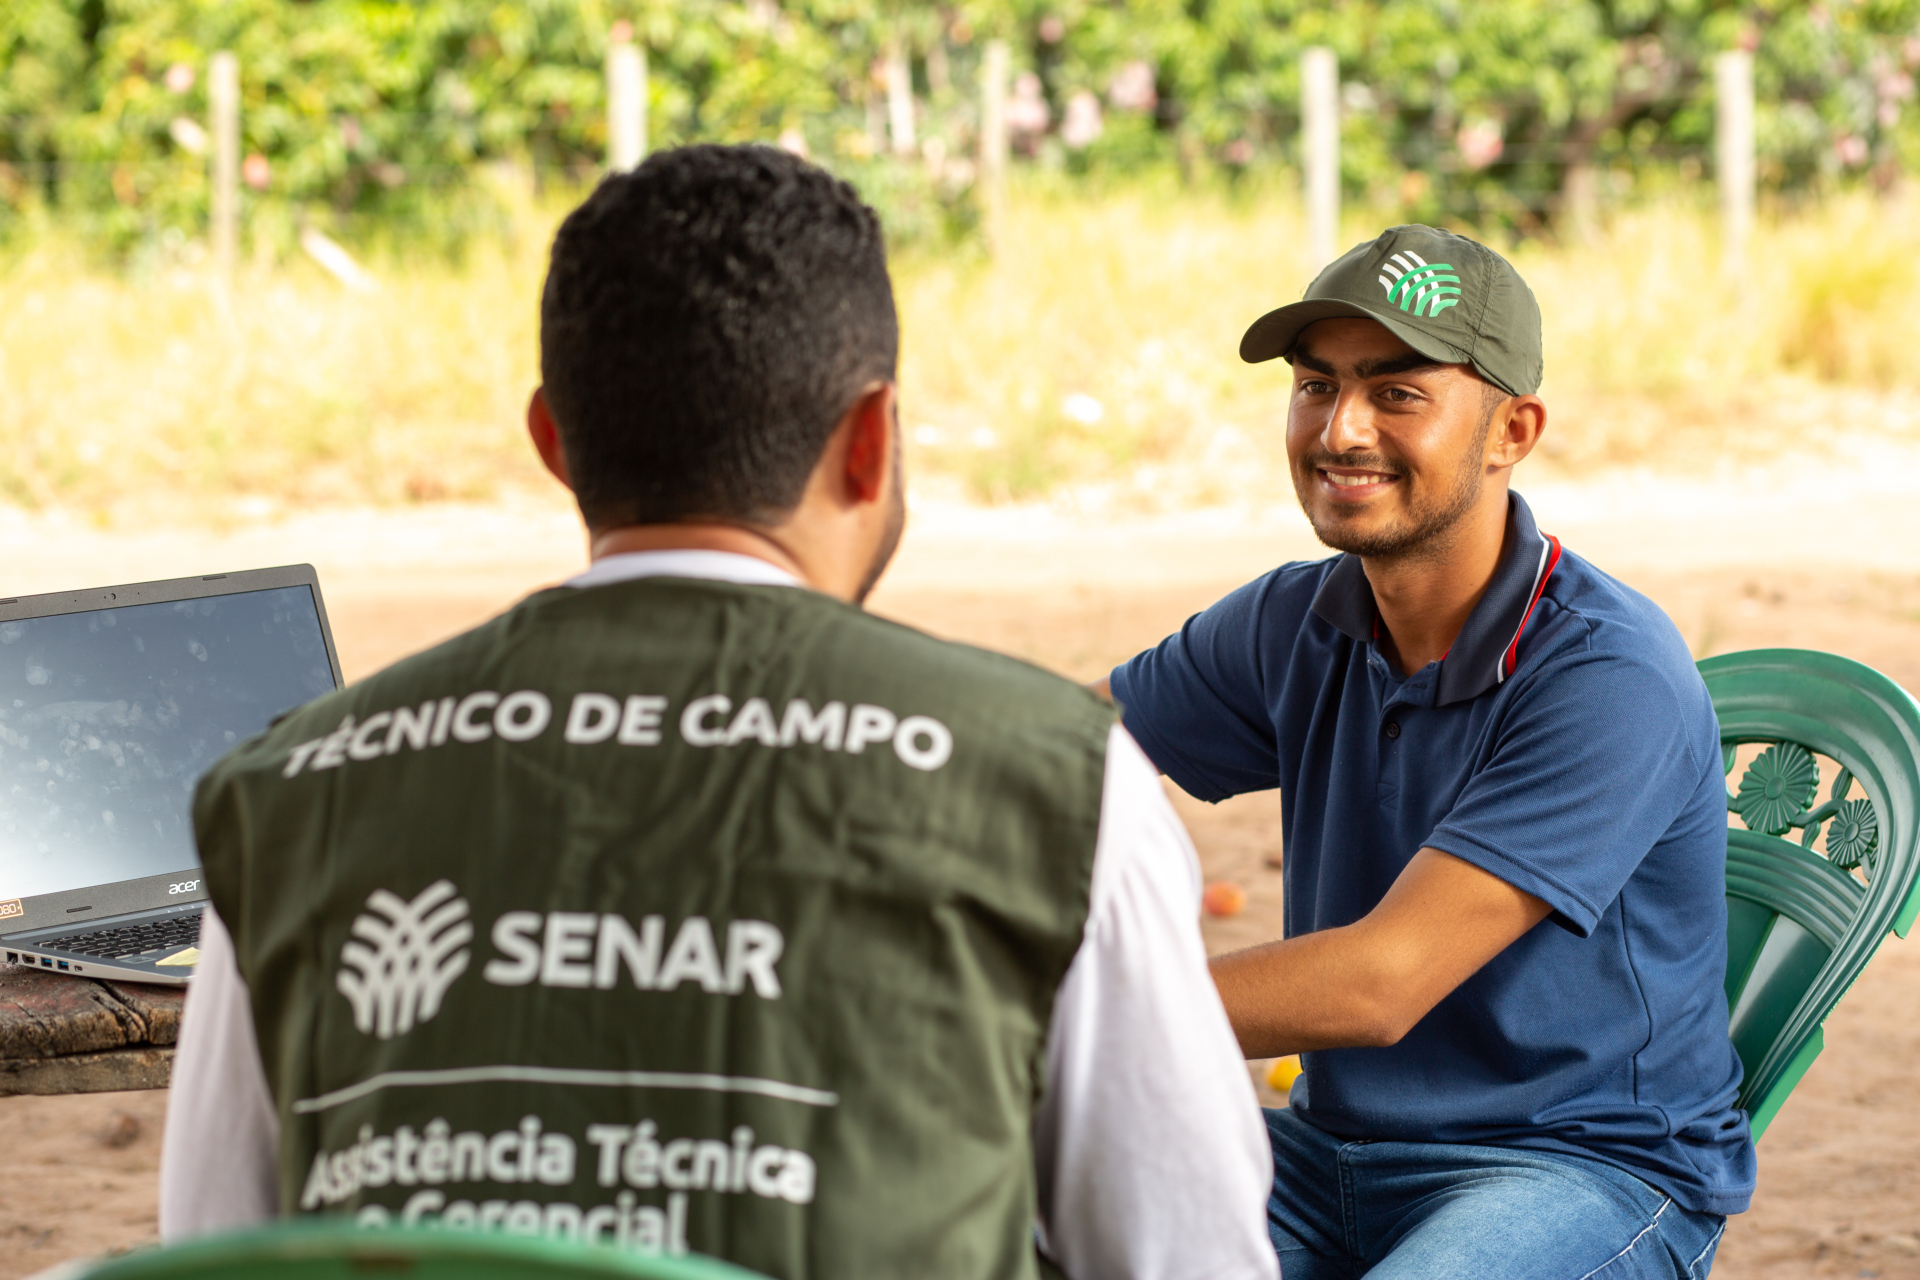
[(1802, 923), (331, 1249)]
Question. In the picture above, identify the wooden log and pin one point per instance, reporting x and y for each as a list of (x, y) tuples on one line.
[(158, 1008), (61, 1034), (111, 1072)]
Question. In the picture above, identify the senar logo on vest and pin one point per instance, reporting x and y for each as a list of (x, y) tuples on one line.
[(403, 956)]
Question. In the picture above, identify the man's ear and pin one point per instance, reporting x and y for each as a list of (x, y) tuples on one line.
[(871, 442), (545, 434), (1517, 427)]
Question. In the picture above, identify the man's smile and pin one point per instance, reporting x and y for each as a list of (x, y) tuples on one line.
[(1352, 482)]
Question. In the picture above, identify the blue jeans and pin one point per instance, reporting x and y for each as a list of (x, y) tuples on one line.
[(1439, 1211)]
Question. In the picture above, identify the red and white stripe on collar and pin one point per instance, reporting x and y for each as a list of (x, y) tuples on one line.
[(1549, 557)]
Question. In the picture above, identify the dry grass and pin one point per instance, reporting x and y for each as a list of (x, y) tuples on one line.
[(1653, 356), (1093, 359), (290, 390)]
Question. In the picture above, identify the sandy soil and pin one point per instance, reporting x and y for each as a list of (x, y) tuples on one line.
[(1799, 555)]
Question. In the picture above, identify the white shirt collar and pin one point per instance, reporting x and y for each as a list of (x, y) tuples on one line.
[(716, 566)]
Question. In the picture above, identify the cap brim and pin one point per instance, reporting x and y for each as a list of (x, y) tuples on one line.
[(1273, 334)]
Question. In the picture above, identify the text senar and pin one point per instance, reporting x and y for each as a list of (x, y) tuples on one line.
[(584, 949)]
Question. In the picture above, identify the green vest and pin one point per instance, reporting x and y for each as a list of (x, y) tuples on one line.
[(674, 915)]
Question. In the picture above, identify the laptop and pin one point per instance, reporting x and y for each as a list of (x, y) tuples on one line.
[(113, 702)]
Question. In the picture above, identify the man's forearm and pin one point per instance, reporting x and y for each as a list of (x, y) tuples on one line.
[(1368, 983), (1314, 992)]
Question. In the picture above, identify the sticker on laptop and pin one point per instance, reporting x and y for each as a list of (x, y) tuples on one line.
[(10, 908)]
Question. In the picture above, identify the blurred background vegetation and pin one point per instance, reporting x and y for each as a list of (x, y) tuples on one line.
[(1088, 358), (376, 118)]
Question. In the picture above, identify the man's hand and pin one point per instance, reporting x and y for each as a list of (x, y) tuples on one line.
[(1369, 982)]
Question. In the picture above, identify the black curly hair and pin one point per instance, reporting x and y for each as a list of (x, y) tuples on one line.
[(707, 319)]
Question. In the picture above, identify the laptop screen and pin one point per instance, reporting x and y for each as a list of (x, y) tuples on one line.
[(108, 718)]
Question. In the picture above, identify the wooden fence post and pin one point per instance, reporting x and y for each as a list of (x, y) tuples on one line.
[(994, 69), (223, 93), (900, 123), (626, 106), (1320, 151), (1734, 154)]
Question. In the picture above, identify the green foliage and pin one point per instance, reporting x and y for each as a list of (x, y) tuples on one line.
[(373, 115), (1507, 111)]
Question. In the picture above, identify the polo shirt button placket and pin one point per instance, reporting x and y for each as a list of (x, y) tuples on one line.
[(1387, 784)]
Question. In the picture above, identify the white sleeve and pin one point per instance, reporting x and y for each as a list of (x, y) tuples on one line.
[(1150, 1147), (219, 1163)]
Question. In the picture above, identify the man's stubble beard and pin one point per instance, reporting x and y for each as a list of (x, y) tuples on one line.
[(1428, 533)]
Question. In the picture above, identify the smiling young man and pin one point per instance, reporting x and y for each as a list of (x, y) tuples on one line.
[(1505, 820)]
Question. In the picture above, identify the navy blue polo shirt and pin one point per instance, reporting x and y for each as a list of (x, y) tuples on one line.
[(1566, 744)]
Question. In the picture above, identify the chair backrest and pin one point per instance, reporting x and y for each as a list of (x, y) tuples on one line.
[(333, 1249), (1817, 875)]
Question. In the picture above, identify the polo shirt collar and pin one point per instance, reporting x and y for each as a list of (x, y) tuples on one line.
[(1487, 649)]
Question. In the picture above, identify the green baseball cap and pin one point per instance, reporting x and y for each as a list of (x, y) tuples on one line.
[(1444, 295)]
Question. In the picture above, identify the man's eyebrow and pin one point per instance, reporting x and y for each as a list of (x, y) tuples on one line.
[(1301, 356), (1411, 362)]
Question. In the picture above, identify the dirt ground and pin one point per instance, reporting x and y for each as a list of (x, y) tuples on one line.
[(1795, 556)]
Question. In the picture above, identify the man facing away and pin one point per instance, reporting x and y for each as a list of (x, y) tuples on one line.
[(1505, 821), (687, 906)]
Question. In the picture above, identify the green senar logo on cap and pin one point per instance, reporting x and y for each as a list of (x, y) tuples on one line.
[(1418, 286)]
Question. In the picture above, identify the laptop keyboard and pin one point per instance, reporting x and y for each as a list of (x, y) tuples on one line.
[(133, 941)]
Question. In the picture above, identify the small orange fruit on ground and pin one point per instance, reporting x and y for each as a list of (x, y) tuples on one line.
[(1223, 898)]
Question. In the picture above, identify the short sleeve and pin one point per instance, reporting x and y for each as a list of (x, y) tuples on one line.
[(1138, 1032), (1196, 702), (219, 1163), (1594, 761)]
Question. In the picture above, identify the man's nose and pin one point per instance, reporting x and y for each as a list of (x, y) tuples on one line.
[(1350, 427)]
